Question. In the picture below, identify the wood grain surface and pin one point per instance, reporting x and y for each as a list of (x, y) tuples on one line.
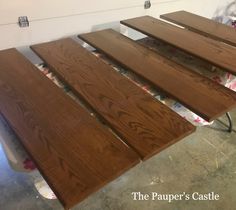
[(144, 123), (200, 94), (202, 25), (215, 52), (75, 154)]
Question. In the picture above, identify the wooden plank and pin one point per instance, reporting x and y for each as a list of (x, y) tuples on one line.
[(200, 94), (144, 123), (74, 153), (217, 53), (202, 25)]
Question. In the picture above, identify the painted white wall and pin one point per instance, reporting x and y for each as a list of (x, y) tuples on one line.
[(53, 19)]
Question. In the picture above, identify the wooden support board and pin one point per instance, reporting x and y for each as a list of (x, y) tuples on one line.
[(75, 154), (144, 123), (200, 94), (215, 52), (202, 25)]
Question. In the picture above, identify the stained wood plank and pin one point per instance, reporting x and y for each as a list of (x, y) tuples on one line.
[(200, 94), (145, 124), (75, 153), (217, 53), (202, 25)]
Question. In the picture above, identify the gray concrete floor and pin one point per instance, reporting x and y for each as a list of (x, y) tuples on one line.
[(203, 162)]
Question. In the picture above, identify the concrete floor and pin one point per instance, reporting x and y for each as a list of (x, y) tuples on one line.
[(203, 162)]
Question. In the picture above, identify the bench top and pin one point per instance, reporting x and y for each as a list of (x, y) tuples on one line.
[(144, 123), (75, 154), (200, 94), (215, 52), (202, 25)]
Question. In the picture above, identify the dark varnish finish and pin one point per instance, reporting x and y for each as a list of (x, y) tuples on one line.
[(145, 124), (215, 52), (202, 25), (200, 94), (74, 153)]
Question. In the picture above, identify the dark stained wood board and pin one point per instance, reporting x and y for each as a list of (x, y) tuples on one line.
[(74, 152), (202, 25), (215, 52), (144, 123), (200, 94)]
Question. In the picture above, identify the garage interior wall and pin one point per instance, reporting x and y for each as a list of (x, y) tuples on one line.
[(50, 20)]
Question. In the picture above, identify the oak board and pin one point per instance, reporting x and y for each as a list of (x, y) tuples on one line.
[(200, 94), (144, 123), (215, 52), (202, 25), (74, 152)]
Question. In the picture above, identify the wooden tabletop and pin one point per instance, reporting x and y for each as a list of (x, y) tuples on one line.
[(75, 154), (215, 52), (202, 25), (200, 94), (144, 123)]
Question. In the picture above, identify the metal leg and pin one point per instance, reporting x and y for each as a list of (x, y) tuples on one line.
[(230, 122)]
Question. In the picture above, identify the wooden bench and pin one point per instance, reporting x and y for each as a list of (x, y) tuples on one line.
[(215, 52), (202, 25), (75, 154), (200, 94)]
